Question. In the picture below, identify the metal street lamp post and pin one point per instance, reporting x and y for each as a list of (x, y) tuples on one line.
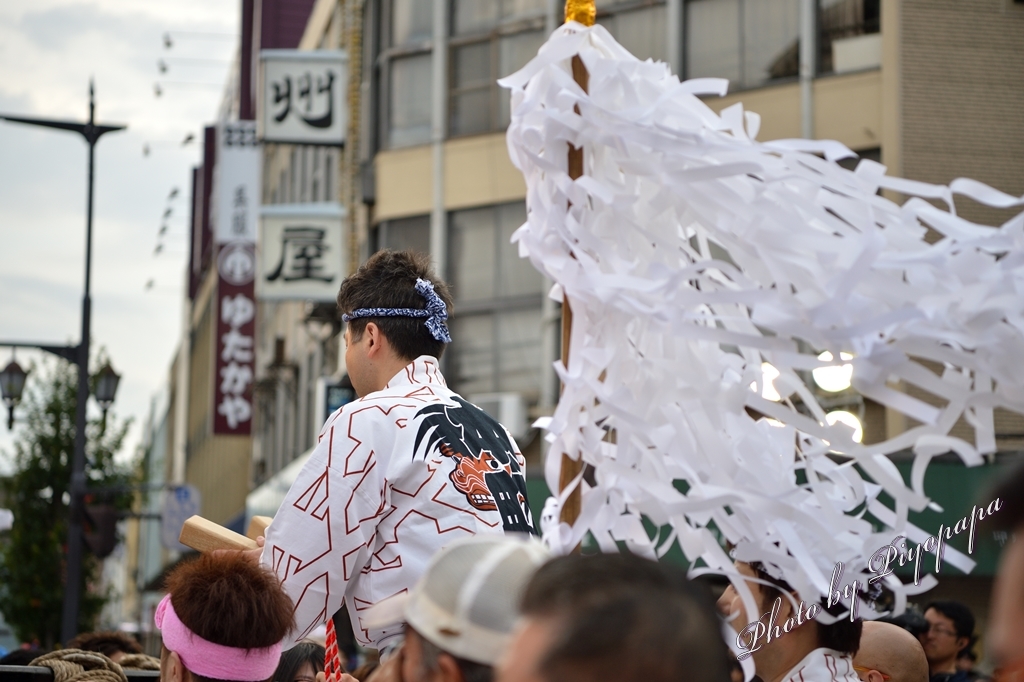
[(92, 133)]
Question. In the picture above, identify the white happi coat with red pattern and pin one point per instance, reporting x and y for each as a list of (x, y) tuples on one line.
[(823, 665), (395, 476)]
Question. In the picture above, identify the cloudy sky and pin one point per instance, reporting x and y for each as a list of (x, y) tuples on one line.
[(48, 51)]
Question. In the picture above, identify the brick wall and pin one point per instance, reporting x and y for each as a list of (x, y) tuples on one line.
[(963, 95)]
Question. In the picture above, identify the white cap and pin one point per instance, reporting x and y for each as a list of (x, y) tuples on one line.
[(467, 601)]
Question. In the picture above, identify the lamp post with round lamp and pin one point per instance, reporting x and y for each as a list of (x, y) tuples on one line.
[(92, 132)]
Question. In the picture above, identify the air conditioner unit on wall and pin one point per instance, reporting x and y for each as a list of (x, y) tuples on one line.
[(507, 408)]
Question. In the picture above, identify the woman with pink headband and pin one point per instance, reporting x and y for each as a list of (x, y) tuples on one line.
[(222, 619)]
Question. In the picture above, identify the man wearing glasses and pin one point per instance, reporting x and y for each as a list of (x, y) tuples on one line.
[(950, 627)]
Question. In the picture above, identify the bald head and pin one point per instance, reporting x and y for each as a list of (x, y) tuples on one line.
[(891, 650)]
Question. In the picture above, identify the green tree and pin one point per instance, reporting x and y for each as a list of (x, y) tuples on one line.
[(32, 556)]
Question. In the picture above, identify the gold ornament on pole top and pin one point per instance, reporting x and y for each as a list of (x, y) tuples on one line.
[(582, 11)]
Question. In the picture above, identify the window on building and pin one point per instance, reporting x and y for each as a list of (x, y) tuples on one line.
[(841, 20), (493, 39), (750, 42), (409, 110), (402, 234), (487, 39), (640, 27), (490, 39), (406, 69), (496, 326), (411, 21), (755, 42)]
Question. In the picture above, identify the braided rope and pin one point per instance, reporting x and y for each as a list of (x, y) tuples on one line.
[(75, 665), (139, 662), (333, 667)]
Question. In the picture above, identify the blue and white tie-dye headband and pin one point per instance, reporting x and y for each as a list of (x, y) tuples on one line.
[(435, 312)]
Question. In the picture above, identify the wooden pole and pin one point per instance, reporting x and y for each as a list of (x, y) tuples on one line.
[(584, 12), (206, 536)]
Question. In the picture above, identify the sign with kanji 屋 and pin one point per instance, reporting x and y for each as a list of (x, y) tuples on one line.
[(302, 252), (303, 97)]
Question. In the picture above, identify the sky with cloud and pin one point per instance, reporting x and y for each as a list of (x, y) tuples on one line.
[(49, 49)]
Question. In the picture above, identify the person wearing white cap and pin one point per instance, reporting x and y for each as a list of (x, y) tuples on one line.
[(460, 616)]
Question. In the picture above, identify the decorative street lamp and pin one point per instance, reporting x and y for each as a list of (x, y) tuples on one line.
[(105, 389), (106, 386), (12, 383), (91, 131)]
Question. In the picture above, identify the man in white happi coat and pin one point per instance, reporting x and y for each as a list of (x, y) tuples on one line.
[(399, 473)]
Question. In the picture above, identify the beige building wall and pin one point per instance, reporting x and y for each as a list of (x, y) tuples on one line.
[(847, 108), (947, 101), (477, 172), (218, 466), (891, 70)]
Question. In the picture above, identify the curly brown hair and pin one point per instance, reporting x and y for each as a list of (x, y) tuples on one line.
[(227, 599)]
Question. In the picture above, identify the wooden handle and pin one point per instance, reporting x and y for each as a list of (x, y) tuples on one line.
[(258, 527), (206, 536)]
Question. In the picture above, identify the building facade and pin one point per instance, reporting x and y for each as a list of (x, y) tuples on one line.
[(931, 88)]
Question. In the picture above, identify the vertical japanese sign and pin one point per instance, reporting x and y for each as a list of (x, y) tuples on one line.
[(236, 329), (303, 98), (237, 182), (236, 214), (302, 252)]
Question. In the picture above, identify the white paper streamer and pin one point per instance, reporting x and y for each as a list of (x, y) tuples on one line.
[(692, 254)]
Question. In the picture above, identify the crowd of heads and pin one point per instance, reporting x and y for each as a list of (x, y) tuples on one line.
[(498, 609)]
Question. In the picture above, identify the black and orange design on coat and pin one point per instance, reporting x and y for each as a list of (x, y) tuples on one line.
[(486, 469)]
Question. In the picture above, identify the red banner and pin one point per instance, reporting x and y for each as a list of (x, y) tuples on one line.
[(236, 330)]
